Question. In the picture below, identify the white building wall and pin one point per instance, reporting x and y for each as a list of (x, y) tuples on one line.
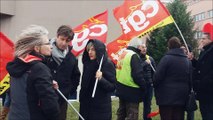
[(52, 14)]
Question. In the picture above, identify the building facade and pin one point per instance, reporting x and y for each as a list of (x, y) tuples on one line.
[(18, 14), (202, 13)]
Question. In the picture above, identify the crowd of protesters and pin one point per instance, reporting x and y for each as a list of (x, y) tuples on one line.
[(44, 66)]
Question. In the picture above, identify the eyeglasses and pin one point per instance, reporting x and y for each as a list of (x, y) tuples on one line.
[(46, 43)]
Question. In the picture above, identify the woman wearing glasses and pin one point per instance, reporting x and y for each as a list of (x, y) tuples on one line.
[(31, 87)]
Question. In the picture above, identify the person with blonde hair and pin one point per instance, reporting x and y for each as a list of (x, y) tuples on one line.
[(31, 87)]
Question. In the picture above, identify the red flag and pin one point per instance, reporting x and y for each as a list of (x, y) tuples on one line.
[(136, 18), (6, 55), (94, 28), (153, 114), (116, 47)]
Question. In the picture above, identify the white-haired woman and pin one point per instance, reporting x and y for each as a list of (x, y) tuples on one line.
[(31, 87)]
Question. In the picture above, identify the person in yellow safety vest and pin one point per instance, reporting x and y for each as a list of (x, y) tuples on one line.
[(148, 65), (130, 82)]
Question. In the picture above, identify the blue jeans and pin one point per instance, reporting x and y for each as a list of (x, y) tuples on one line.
[(7, 100), (147, 101), (206, 109)]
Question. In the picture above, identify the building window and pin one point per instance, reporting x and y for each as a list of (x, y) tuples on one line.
[(191, 2), (198, 35), (210, 13), (196, 18), (199, 16), (202, 15)]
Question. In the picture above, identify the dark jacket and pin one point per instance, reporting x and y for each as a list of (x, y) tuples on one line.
[(147, 69), (67, 74), (172, 77), (31, 90), (132, 94), (203, 75), (99, 107)]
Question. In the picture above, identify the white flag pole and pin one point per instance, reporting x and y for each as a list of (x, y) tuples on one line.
[(96, 81), (152, 67), (70, 104), (182, 36)]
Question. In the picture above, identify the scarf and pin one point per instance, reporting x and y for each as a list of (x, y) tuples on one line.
[(57, 54)]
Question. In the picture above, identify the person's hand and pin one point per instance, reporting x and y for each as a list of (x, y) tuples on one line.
[(98, 75), (148, 61), (55, 85), (200, 45), (190, 55)]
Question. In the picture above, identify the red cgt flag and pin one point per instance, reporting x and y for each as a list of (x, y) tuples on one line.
[(116, 47), (6, 55), (94, 28), (136, 18)]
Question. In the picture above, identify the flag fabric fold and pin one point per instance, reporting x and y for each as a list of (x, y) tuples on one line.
[(94, 28), (137, 18), (6, 55)]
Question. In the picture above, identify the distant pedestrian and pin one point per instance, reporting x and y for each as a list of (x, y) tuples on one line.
[(203, 77), (171, 82), (149, 67)]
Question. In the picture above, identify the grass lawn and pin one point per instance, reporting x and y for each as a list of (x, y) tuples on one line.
[(71, 115)]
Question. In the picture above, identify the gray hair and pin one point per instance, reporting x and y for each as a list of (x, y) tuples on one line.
[(135, 42), (29, 38)]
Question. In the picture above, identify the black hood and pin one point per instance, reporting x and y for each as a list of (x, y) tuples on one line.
[(134, 49), (100, 49), (17, 67), (176, 52)]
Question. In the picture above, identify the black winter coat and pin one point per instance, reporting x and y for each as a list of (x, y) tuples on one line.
[(147, 69), (203, 75), (32, 94), (67, 74), (172, 77), (99, 107)]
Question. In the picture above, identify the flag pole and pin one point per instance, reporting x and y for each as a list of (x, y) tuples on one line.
[(152, 67), (148, 37), (96, 81), (70, 104), (182, 36)]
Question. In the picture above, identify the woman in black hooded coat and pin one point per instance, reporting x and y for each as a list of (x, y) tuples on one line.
[(99, 107)]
